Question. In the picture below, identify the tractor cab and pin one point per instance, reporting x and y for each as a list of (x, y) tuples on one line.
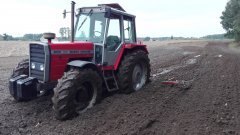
[(108, 26)]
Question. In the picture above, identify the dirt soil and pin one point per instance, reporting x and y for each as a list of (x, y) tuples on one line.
[(210, 104)]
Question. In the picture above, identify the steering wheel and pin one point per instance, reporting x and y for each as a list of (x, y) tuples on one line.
[(97, 33)]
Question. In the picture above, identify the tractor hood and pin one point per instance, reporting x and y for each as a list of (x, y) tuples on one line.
[(63, 53), (84, 49)]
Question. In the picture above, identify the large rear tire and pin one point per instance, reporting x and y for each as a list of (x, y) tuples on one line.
[(77, 91), (134, 71), (21, 69)]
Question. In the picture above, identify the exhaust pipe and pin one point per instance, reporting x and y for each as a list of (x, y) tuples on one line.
[(72, 20)]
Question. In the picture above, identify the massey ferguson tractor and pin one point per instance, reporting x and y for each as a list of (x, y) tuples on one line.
[(103, 54)]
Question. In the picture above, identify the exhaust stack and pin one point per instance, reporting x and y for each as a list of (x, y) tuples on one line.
[(72, 20)]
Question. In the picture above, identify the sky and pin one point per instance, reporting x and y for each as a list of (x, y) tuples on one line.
[(154, 18)]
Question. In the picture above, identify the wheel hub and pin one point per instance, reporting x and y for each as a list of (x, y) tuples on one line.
[(138, 77), (84, 96)]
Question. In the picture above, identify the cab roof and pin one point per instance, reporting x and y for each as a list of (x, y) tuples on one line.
[(107, 8), (113, 5)]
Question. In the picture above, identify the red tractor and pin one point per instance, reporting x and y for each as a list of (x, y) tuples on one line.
[(103, 55)]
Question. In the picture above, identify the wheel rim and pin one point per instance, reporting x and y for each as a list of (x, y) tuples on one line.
[(84, 96), (139, 76)]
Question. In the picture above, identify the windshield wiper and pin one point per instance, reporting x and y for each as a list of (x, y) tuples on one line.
[(88, 15)]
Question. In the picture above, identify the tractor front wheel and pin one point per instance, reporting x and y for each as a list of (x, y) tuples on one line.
[(21, 69), (77, 91)]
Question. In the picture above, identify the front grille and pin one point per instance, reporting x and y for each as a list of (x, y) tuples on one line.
[(37, 55)]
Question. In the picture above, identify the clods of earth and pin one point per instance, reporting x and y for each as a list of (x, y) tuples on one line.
[(209, 105)]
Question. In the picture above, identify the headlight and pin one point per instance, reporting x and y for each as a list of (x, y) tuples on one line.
[(33, 65), (37, 66), (41, 67)]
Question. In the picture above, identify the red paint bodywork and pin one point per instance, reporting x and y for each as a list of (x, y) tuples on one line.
[(59, 62), (128, 47)]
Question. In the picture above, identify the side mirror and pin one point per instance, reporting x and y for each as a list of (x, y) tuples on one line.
[(64, 13), (105, 45)]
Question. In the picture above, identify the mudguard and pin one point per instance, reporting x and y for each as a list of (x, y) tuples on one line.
[(83, 64)]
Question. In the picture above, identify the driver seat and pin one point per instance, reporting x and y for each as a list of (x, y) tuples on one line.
[(112, 42)]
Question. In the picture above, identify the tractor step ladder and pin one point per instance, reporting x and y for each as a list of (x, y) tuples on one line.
[(110, 80)]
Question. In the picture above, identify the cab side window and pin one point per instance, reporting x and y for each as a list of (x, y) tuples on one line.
[(128, 31), (98, 32), (113, 39)]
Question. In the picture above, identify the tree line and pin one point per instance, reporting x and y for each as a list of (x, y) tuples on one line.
[(65, 34), (25, 37), (231, 19)]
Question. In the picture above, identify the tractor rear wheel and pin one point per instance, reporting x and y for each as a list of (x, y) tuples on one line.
[(21, 69), (77, 91), (134, 71)]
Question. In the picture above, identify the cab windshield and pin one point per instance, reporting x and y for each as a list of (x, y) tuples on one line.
[(90, 27)]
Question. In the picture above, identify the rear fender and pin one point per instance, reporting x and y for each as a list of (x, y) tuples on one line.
[(136, 46), (82, 64), (128, 48)]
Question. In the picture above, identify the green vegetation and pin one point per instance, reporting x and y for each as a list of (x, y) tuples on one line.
[(32, 37), (209, 37), (147, 39), (65, 33), (7, 37), (166, 38), (231, 19), (215, 36), (26, 37)]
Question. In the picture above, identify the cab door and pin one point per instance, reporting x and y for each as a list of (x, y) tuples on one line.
[(113, 39)]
